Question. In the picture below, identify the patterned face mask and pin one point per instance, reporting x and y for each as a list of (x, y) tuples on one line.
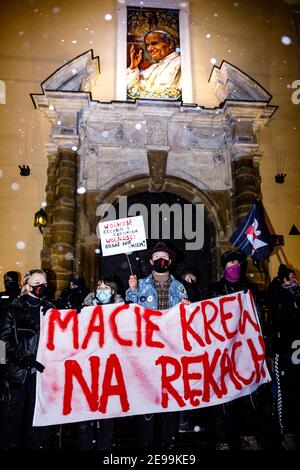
[(161, 265), (293, 288), (39, 290)]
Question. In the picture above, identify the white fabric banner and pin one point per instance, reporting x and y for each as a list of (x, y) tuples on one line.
[(119, 360)]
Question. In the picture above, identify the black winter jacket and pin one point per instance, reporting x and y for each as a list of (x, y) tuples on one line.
[(21, 337), (284, 318)]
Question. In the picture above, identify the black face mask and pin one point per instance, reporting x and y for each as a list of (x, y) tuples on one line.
[(161, 265), (39, 290), (11, 287)]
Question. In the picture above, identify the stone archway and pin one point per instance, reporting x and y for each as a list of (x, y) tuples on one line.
[(216, 210)]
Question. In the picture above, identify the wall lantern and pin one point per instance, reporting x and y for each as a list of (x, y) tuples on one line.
[(40, 219)]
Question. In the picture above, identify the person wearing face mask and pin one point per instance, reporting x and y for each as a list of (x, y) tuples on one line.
[(284, 320), (106, 292), (98, 435), (12, 289), (236, 421), (19, 330), (159, 291)]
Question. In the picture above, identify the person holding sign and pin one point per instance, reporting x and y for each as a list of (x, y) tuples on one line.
[(159, 291)]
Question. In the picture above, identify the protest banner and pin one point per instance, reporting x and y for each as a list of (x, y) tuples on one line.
[(122, 236), (121, 360)]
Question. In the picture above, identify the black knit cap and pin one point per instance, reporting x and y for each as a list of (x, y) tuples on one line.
[(14, 275), (232, 256), (161, 246), (79, 282)]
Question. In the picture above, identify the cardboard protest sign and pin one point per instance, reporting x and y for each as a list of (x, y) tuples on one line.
[(122, 235), (120, 360)]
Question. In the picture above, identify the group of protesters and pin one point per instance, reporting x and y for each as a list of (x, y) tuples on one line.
[(234, 424)]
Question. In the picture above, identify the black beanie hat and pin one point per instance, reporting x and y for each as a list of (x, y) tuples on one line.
[(14, 275), (79, 282), (284, 272), (231, 256)]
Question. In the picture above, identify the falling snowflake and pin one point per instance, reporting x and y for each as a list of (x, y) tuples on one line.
[(20, 245), (208, 35), (138, 126), (69, 256), (44, 204), (108, 17), (15, 186), (56, 10), (213, 60), (197, 429), (21, 33), (97, 251), (286, 40)]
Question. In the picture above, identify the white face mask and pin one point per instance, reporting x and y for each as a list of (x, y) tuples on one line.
[(103, 295)]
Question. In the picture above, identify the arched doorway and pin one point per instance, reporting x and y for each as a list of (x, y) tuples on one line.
[(216, 223)]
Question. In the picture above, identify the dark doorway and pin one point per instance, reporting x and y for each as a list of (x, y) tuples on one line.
[(201, 259)]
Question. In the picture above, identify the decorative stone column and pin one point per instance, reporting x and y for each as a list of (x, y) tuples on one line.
[(245, 191), (50, 200), (63, 223)]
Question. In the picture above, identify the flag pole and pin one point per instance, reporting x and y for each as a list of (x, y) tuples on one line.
[(129, 263)]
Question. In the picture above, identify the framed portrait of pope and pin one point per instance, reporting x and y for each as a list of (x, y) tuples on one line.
[(153, 54)]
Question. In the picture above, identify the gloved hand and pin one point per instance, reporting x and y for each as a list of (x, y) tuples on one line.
[(30, 362)]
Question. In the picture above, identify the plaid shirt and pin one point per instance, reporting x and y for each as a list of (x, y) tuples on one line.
[(162, 294)]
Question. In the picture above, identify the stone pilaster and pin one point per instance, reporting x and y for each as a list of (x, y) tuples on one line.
[(63, 223), (50, 200)]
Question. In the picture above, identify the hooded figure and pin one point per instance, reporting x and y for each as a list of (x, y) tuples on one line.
[(74, 295), (12, 288)]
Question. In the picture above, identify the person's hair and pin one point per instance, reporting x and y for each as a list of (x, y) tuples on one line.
[(108, 281), (284, 272), (28, 276), (166, 37), (189, 270)]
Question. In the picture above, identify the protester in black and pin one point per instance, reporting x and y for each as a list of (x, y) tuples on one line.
[(236, 421), (12, 288), (74, 295), (284, 321), (19, 329)]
